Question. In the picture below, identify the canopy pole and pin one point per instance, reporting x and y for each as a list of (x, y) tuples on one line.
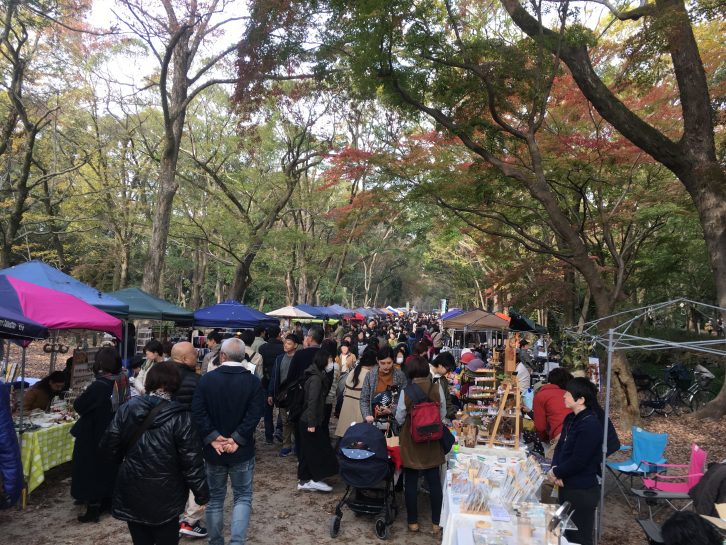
[(53, 353), (605, 436), (22, 392), (125, 348)]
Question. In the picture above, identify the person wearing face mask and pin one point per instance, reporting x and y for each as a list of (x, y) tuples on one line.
[(345, 358), (442, 365), (401, 352), (332, 374), (380, 379)]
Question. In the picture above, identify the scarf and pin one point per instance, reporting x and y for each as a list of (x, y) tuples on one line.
[(161, 394)]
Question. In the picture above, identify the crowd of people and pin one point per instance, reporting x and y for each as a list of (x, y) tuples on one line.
[(158, 452)]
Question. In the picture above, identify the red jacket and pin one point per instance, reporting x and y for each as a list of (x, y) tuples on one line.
[(549, 411)]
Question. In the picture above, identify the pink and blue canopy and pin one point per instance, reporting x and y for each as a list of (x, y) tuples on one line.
[(41, 274), (53, 309), (13, 323)]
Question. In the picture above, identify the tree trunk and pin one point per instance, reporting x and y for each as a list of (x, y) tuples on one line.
[(160, 225), (242, 277)]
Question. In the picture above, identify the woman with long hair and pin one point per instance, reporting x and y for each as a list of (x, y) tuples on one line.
[(41, 394), (317, 459), (350, 411), (578, 455), (420, 459), (384, 377)]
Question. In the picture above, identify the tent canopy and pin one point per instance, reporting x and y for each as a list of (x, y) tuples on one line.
[(146, 306), (232, 315), (365, 312), (316, 312), (519, 322), (41, 274), (341, 311), (58, 310), (476, 320), (289, 312), (14, 324), (451, 313)]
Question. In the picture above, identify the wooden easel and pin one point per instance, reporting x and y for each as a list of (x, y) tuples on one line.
[(511, 388)]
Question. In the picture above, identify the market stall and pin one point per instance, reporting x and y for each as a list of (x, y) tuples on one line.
[(45, 441)]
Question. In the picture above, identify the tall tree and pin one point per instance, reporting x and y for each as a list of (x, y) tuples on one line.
[(177, 34)]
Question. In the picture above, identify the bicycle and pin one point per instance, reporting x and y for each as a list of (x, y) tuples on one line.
[(682, 391)]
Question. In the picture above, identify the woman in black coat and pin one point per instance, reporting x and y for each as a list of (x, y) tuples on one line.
[(93, 477), (161, 465), (317, 458)]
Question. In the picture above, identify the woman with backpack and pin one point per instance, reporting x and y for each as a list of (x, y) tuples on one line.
[(578, 455), (420, 458), (317, 459)]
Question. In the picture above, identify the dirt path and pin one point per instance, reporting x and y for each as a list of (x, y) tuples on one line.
[(283, 515)]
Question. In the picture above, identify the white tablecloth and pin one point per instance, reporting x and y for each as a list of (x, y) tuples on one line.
[(458, 526)]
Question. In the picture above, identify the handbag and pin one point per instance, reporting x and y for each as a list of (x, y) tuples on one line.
[(447, 440)]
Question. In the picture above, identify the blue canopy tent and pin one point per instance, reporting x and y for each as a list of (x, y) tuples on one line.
[(320, 313), (451, 313), (341, 311), (231, 315), (145, 306), (367, 312), (41, 274)]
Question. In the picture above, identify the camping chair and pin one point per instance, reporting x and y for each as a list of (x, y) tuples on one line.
[(662, 487), (646, 458)]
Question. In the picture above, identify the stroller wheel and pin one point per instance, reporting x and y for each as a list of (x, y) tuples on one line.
[(334, 526), (382, 529)]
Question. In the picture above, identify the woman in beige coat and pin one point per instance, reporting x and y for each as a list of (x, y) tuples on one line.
[(350, 411)]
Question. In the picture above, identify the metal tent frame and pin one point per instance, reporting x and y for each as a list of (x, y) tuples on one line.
[(621, 338)]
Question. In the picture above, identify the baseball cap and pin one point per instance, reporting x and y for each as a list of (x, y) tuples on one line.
[(466, 355)]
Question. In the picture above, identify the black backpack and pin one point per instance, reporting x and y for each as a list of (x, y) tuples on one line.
[(291, 396)]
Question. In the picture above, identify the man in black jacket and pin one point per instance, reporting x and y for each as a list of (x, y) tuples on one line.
[(227, 406), (184, 355), (269, 352)]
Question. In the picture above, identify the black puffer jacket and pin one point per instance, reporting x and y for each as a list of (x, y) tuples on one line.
[(158, 471), (189, 381)]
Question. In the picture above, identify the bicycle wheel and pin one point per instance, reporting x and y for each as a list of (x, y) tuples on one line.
[(683, 402), (662, 389), (701, 398), (646, 402), (665, 403)]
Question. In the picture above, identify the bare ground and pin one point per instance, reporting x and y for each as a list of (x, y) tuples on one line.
[(282, 515)]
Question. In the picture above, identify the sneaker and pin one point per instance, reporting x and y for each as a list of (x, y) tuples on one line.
[(284, 452), (304, 485), (320, 486), (193, 531)]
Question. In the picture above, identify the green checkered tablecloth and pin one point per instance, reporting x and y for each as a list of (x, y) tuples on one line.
[(43, 449)]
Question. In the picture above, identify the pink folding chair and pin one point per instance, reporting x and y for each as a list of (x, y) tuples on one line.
[(679, 483), (670, 483)]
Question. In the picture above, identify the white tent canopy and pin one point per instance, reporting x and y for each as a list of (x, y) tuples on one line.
[(289, 312)]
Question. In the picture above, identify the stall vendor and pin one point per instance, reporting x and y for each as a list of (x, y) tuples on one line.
[(41, 394)]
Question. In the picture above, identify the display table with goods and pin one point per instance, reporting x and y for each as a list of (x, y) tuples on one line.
[(491, 498), (45, 442), (492, 486)]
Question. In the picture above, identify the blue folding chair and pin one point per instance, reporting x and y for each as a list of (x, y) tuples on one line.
[(647, 454)]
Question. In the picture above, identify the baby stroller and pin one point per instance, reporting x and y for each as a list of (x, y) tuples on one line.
[(364, 467)]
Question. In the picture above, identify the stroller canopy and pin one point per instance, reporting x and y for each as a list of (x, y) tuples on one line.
[(363, 456)]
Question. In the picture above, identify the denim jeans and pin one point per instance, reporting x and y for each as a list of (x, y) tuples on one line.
[(241, 477)]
